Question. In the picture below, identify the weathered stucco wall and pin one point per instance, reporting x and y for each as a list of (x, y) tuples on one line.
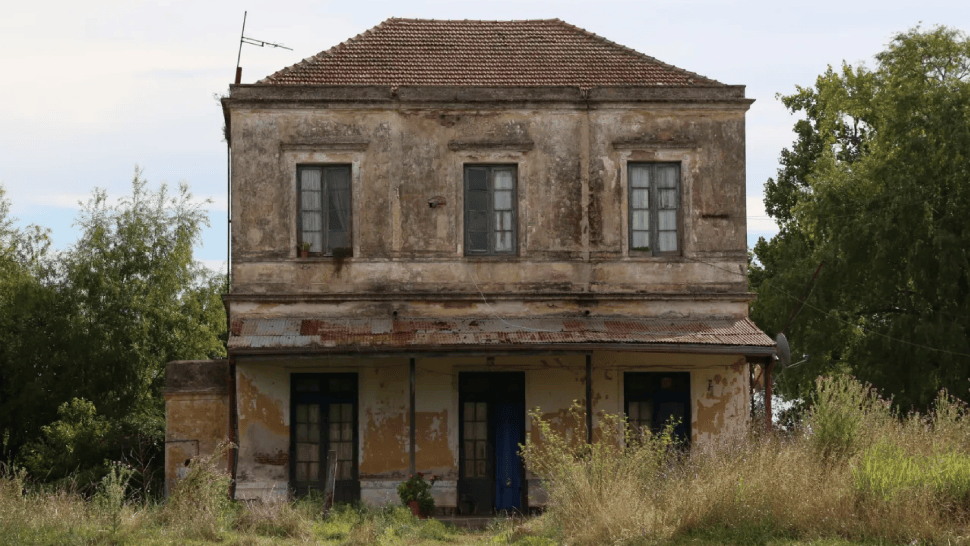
[(196, 413), (571, 196), (384, 424), (263, 401), (719, 408), (436, 426), (720, 397)]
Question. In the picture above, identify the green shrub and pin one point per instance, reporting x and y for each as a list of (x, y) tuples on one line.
[(841, 408), (79, 447)]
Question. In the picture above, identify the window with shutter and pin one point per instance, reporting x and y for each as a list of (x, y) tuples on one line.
[(324, 205), (490, 211)]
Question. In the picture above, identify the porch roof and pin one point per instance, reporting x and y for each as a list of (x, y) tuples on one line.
[(395, 335)]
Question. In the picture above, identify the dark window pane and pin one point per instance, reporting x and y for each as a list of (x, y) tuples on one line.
[(477, 221), (339, 239), (477, 179), (477, 200), (478, 242)]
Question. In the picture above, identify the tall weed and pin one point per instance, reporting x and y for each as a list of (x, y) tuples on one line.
[(853, 470), (199, 506), (604, 491), (842, 408)]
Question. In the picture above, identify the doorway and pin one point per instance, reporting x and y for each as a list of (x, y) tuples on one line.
[(324, 417), (491, 410)]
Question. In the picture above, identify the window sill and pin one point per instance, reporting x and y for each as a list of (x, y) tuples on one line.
[(493, 258), (635, 255), (320, 258)]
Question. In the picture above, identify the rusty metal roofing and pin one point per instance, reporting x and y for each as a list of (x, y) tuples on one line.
[(421, 333), (547, 52)]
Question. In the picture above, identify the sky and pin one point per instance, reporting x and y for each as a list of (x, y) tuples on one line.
[(92, 89)]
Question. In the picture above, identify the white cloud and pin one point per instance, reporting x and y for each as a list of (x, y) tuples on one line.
[(58, 200), (218, 266)]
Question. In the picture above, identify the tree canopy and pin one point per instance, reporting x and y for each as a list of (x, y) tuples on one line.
[(876, 186), (98, 322)]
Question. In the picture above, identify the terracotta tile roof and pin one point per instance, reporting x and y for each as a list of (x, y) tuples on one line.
[(377, 334), (544, 52)]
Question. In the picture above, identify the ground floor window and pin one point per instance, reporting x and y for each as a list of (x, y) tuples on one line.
[(652, 399)]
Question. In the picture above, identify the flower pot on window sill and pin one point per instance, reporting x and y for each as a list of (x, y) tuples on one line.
[(304, 253)]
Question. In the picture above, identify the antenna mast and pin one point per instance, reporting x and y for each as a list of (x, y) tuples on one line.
[(243, 39)]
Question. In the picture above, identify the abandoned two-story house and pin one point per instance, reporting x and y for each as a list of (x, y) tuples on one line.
[(497, 216)]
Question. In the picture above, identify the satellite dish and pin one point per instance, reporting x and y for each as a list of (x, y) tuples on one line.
[(784, 351)]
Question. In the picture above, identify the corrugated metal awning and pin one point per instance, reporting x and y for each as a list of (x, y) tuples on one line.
[(257, 335)]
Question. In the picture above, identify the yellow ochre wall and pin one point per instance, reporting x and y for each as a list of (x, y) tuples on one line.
[(719, 393)]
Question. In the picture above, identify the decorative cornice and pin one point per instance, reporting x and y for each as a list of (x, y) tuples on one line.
[(491, 145), (326, 145), (654, 144)]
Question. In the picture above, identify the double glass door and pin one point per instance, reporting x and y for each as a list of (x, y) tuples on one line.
[(324, 419)]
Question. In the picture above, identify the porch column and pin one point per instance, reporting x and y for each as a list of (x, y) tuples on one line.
[(411, 417), (589, 398)]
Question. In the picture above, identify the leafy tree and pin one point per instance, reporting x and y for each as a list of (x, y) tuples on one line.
[(877, 186), (139, 299), (99, 321)]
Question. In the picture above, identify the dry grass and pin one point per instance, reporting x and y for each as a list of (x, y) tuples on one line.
[(854, 472)]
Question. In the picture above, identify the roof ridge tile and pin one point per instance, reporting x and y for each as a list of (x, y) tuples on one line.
[(549, 52)]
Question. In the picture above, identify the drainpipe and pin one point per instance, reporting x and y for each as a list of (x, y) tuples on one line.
[(770, 363)]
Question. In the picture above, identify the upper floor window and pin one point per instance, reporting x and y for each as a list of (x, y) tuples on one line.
[(324, 204), (490, 219), (654, 207)]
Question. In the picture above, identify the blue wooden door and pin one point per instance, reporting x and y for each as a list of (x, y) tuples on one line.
[(508, 430)]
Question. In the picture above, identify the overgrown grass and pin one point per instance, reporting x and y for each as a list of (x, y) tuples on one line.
[(853, 474), (197, 512), (854, 471)]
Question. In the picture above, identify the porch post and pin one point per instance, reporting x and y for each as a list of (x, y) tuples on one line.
[(589, 398), (411, 429)]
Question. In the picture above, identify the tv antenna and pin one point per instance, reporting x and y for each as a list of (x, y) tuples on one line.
[(243, 39)]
